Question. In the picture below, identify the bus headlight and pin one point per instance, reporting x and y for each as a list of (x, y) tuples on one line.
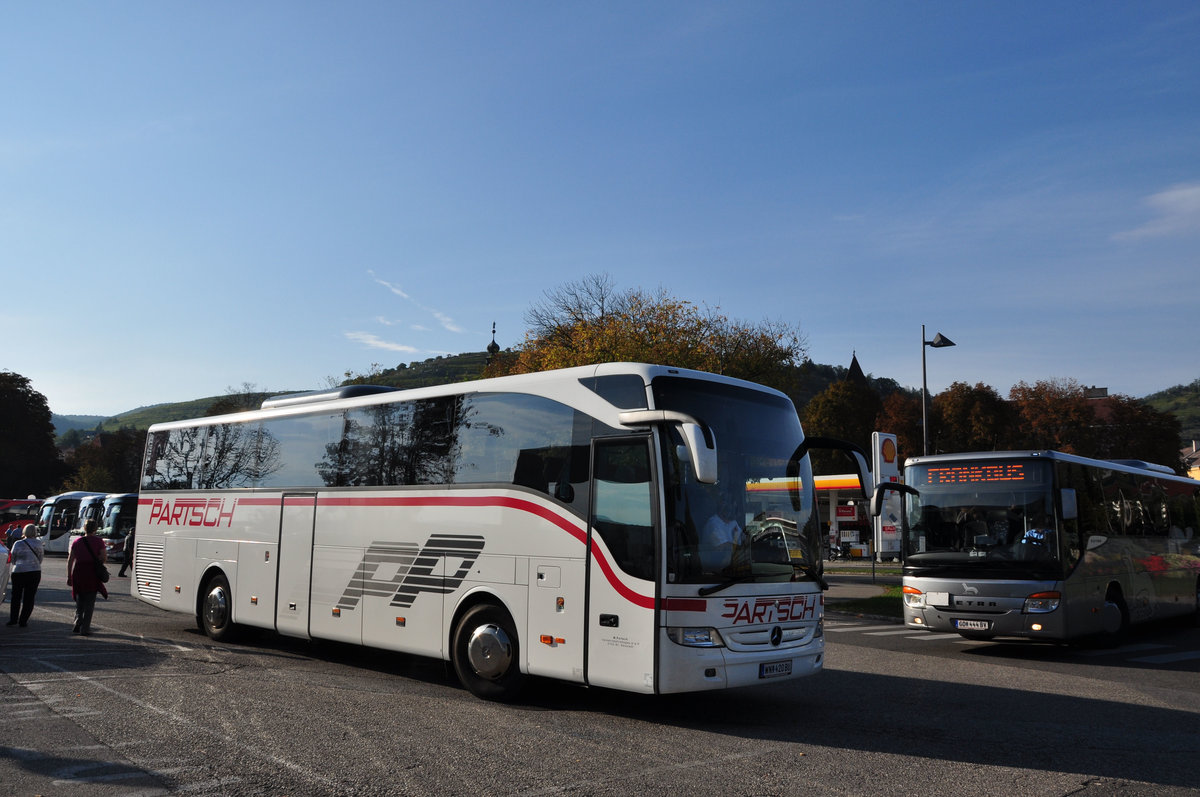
[(914, 598), (696, 637), (1041, 602)]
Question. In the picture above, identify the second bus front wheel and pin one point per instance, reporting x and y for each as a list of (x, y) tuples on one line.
[(486, 653), (215, 610)]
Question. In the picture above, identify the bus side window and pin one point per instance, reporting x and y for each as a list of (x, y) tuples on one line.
[(623, 515)]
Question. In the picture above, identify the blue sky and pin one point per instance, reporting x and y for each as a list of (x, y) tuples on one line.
[(194, 196)]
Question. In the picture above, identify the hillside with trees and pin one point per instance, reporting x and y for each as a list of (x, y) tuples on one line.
[(1182, 401)]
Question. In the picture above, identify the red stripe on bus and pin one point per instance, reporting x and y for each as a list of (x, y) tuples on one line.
[(507, 502), (300, 500), (685, 604)]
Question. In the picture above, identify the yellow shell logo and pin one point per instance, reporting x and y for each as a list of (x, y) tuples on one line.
[(888, 450)]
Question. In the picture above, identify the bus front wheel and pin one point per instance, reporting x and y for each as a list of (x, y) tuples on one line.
[(486, 654), (1115, 616), (215, 611)]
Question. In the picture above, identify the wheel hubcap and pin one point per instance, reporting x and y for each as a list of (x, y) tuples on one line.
[(490, 651), (216, 608)]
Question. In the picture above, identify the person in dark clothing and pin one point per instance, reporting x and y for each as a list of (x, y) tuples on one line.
[(127, 559)]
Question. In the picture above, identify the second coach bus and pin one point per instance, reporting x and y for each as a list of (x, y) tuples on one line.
[(594, 524), (1046, 545), (60, 516)]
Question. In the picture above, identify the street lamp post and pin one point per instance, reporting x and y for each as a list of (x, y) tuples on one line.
[(939, 341)]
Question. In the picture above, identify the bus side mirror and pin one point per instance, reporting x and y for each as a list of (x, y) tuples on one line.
[(880, 495), (700, 440), (856, 454), (1070, 508), (703, 456)]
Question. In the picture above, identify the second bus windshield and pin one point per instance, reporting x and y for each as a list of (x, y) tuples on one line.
[(991, 511)]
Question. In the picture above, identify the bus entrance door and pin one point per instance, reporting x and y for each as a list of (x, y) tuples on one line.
[(295, 564), (623, 562)]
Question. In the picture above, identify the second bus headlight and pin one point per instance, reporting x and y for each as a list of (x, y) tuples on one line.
[(1041, 602), (914, 598), (696, 637)]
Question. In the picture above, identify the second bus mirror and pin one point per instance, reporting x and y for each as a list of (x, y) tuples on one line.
[(1070, 509), (881, 491)]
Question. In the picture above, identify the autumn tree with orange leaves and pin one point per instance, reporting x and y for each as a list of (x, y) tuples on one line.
[(1054, 414), (589, 322)]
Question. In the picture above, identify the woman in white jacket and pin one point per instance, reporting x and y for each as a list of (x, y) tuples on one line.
[(27, 554)]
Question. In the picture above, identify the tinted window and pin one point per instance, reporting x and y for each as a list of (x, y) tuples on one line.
[(520, 439), (626, 391), (395, 444), (293, 451), (623, 514), (517, 439), (173, 459)]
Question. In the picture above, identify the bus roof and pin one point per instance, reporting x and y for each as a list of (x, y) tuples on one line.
[(79, 494), (565, 378)]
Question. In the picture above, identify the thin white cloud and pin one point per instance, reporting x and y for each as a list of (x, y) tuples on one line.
[(1178, 209), (393, 288), (446, 321), (375, 342)]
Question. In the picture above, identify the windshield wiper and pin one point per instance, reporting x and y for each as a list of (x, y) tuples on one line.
[(705, 591)]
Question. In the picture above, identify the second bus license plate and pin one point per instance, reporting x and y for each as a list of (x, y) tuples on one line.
[(972, 625), (774, 669)]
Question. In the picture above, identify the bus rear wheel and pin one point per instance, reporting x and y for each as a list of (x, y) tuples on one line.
[(215, 610), (486, 654)]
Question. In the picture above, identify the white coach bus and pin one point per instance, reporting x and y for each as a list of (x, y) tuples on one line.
[(551, 524)]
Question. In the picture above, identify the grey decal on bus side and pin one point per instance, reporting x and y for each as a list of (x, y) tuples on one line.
[(414, 566)]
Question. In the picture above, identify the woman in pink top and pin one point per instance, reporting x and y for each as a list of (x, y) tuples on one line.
[(81, 576)]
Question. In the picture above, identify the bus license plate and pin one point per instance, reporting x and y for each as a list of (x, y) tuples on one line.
[(774, 669), (972, 625)]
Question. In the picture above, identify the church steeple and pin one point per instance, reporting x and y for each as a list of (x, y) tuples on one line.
[(493, 348), (855, 374)]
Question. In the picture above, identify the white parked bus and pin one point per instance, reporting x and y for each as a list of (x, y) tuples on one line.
[(549, 524), (59, 517), (115, 515), (1046, 545)]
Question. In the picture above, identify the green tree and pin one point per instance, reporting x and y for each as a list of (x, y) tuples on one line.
[(242, 399), (92, 478), (1131, 429), (109, 463), (845, 410), (29, 461)]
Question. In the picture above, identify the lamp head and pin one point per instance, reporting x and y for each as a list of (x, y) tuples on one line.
[(939, 341)]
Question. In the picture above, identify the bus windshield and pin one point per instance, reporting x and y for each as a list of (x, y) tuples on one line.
[(120, 515), (757, 522), (992, 513)]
